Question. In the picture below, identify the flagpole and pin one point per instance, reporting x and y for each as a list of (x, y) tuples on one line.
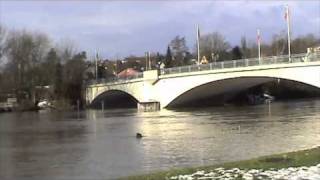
[(146, 54), (288, 28), (96, 64), (198, 43), (259, 45), (149, 60)]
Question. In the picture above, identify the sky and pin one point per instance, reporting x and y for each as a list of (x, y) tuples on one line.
[(122, 28)]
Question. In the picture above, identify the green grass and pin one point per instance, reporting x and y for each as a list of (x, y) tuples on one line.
[(308, 157)]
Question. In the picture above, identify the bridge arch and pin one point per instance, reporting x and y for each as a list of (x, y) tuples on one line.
[(230, 86), (114, 98), (217, 88)]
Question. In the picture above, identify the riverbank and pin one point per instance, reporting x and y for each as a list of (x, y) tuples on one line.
[(309, 157), (28, 105)]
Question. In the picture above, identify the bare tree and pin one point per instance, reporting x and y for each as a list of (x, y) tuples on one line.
[(300, 44), (66, 48), (3, 37), (25, 50), (41, 47), (179, 49), (213, 45), (244, 47), (279, 44), (73, 77)]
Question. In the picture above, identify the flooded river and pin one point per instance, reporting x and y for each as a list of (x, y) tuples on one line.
[(97, 144)]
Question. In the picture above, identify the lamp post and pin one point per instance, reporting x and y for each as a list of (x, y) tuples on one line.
[(96, 66), (146, 55), (149, 60)]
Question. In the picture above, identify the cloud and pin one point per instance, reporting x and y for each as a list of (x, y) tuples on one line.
[(132, 27)]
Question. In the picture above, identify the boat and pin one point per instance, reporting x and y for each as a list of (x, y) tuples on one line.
[(264, 98)]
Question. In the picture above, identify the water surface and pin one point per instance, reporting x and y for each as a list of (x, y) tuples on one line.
[(96, 144)]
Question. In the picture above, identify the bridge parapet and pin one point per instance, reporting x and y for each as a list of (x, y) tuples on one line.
[(115, 79), (150, 76), (296, 58)]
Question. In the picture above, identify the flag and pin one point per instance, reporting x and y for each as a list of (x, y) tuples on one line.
[(97, 56), (286, 14), (258, 36), (198, 32)]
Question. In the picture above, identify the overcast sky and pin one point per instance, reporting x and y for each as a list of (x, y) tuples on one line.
[(121, 28)]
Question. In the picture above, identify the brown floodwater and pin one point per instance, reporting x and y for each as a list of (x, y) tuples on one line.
[(95, 144)]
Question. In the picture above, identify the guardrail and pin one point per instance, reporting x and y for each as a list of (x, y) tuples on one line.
[(114, 79), (305, 57)]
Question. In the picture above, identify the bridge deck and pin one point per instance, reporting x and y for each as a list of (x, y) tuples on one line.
[(297, 58), (220, 66)]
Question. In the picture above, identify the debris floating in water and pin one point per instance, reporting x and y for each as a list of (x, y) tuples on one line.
[(139, 135)]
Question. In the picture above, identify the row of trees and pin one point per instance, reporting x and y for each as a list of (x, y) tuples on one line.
[(215, 48), (30, 62)]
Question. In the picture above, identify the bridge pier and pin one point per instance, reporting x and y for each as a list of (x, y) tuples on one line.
[(149, 106)]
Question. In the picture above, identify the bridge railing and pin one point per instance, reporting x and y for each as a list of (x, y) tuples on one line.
[(114, 79), (284, 59)]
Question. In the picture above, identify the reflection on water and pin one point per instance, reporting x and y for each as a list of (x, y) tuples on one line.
[(101, 145)]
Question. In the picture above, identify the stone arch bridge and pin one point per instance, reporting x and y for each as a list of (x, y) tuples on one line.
[(175, 86)]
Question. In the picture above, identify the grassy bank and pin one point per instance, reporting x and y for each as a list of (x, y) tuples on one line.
[(293, 159)]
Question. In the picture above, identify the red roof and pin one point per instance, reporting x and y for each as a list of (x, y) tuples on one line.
[(127, 73)]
